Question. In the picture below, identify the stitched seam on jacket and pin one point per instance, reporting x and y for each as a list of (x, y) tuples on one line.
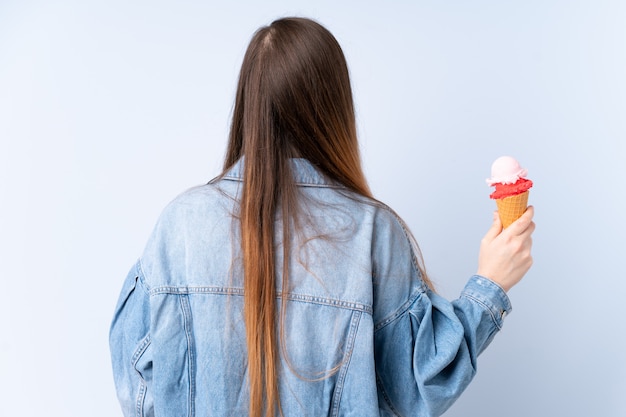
[(400, 311), (354, 326), (141, 348), (349, 305), (141, 394), (186, 310), (381, 388), (298, 183), (409, 237)]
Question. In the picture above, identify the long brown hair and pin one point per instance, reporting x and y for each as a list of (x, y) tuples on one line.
[(293, 99)]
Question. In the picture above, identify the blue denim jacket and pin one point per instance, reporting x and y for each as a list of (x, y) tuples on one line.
[(363, 335)]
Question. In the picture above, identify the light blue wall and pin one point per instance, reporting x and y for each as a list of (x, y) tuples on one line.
[(108, 110)]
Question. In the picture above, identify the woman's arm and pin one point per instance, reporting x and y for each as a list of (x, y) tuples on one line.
[(427, 347)]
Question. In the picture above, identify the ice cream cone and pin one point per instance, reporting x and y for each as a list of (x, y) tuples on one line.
[(511, 208)]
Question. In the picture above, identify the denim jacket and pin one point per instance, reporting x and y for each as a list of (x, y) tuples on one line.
[(362, 333)]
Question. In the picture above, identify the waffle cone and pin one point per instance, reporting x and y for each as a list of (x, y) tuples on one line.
[(511, 208)]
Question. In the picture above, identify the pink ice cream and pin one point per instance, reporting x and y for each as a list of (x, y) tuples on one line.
[(508, 177)]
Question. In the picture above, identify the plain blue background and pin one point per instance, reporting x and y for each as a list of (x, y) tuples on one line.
[(109, 109)]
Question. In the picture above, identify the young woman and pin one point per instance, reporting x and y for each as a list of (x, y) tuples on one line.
[(283, 287)]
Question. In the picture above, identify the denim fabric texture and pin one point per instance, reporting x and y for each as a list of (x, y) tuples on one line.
[(363, 334)]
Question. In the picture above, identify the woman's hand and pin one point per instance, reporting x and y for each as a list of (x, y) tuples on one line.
[(505, 254)]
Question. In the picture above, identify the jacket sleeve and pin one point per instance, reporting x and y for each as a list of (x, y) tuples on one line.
[(425, 346), (129, 341)]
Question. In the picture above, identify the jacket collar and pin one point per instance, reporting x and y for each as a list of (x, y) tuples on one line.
[(304, 173)]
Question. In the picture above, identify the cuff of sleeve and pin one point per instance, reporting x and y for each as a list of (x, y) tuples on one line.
[(490, 295)]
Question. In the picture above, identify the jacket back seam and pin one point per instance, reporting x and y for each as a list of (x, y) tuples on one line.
[(354, 326), (312, 299), (187, 323)]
